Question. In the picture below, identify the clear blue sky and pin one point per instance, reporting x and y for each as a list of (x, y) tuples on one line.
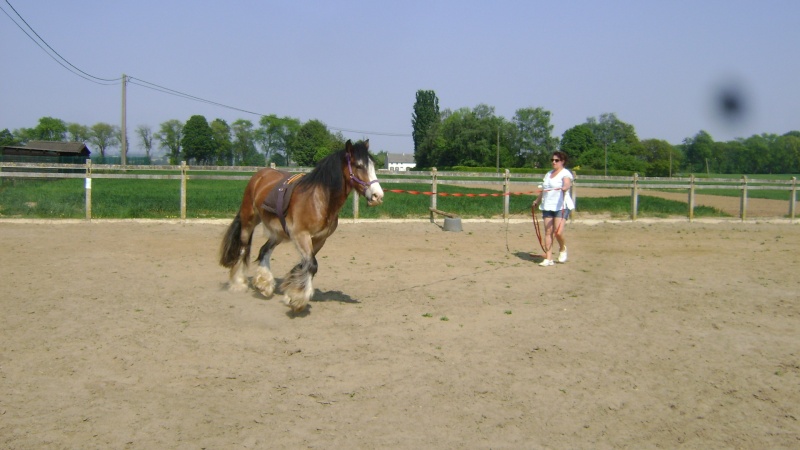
[(357, 65)]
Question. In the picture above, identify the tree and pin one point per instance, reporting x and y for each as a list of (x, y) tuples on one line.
[(534, 134), (313, 142), (78, 133), (197, 141), (426, 114), (274, 134), (660, 157), (786, 154), (698, 151), (7, 139), (244, 144), (577, 141), (169, 137), (757, 148), (145, 134), (221, 133), (48, 129), (104, 136), (618, 140)]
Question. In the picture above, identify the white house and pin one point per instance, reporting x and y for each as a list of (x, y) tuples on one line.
[(400, 162)]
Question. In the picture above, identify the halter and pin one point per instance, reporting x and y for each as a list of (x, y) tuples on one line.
[(355, 179)]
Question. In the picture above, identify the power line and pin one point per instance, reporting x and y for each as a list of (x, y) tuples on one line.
[(63, 62), (80, 73), (166, 90)]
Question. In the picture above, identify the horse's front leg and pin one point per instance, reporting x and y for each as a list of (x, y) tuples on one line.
[(297, 286), (263, 281)]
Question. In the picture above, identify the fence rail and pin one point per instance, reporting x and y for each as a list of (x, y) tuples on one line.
[(505, 182)]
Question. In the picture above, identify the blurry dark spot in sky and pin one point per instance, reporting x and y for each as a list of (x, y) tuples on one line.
[(731, 105)]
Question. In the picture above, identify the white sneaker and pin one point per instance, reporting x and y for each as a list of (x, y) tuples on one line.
[(562, 255), (547, 262)]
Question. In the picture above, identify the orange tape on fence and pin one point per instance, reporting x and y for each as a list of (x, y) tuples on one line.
[(456, 194)]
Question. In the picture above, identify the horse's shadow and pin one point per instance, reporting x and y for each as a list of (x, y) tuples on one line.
[(318, 297), (322, 296), (332, 296)]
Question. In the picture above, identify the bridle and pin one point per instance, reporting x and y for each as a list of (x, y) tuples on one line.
[(354, 179)]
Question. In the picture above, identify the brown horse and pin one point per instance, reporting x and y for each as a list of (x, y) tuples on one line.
[(311, 217)]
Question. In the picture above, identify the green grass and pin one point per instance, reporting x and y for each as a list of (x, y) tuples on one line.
[(751, 193), (56, 199), (148, 198), (648, 207)]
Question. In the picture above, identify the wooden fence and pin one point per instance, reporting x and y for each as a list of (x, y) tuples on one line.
[(506, 182)]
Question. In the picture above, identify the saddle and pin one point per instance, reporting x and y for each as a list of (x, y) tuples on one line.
[(277, 200)]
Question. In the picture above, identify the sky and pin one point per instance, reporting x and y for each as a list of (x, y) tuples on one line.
[(661, 66)]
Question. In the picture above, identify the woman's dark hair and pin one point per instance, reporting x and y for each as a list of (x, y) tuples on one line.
[(562, 156)]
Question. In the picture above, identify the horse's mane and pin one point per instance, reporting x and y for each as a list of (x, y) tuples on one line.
[(328, 172)]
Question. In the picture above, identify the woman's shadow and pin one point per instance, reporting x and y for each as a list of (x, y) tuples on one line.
[(532, 257)]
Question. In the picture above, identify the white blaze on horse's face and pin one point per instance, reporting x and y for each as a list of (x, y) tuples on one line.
[(374, 192)]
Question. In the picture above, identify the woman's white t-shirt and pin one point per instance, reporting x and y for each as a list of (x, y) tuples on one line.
[(553, 198)]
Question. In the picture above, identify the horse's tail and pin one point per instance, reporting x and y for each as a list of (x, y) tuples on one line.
[(232, 244)]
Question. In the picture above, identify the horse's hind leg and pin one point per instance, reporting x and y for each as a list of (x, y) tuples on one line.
[(264, 282), (235, 252)]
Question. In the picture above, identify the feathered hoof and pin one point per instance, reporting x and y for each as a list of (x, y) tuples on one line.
[(264, 284), (237, 287), (296, 304)]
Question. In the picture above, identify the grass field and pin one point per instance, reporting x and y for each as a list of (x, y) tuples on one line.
[(129, 199)]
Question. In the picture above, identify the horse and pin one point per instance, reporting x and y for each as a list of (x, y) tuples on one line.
[(311, 216)]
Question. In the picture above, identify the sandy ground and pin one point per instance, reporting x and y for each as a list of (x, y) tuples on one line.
[(653, 335)]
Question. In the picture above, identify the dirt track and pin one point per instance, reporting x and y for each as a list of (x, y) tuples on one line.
[(654, 334)]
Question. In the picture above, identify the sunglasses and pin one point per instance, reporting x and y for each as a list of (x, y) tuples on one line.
[(555, 160)]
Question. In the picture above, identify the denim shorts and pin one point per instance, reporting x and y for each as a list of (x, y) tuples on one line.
[(563, 214)]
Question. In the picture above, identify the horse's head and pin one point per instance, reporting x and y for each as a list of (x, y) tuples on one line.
[(361, 168)]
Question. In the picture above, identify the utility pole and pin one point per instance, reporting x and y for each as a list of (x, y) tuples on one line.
[(123, 129)]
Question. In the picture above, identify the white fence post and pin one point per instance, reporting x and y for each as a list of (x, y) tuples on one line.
[(434, 193), (355, 205), (88, 189), (635, 196), (506, 194), (691, 198), (183, 191), (793, 199), (743, 201)]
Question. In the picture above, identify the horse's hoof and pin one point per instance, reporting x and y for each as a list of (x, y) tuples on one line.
[(265, 287), (237, 287), (296, 304), (267, 292)]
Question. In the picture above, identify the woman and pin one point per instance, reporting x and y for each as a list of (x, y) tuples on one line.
[(555, 203)]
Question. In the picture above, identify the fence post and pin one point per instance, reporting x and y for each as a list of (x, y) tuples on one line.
[(635, 196), (355, 205), (691, 198), (793, 199), (743, 201), (183, 191), (573, 193), (433, 192), (506, 193), (88, 188)]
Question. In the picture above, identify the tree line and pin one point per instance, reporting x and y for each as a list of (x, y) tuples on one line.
[(465, 137), (602, 145), (274, 139)]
